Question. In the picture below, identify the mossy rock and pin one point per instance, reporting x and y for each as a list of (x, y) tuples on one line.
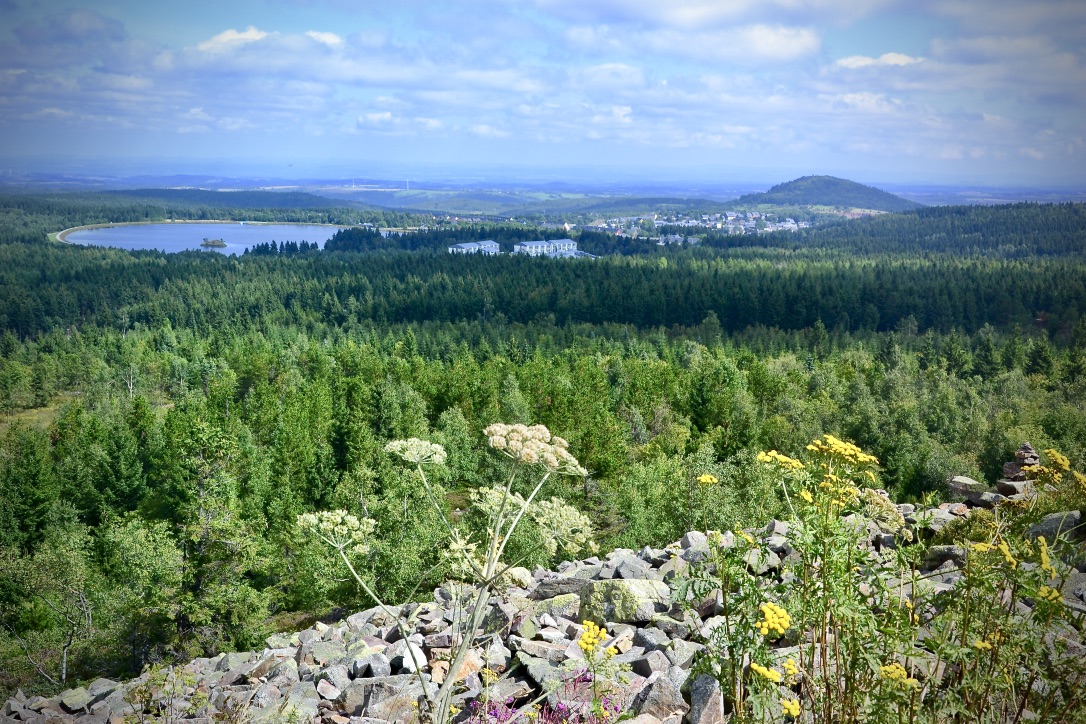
[(623, 600)]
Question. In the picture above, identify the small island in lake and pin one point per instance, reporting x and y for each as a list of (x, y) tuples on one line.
[(217, 243)]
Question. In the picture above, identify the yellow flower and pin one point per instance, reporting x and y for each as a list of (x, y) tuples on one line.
[(806, 495), (1049, 594), (1005, 549), (982, 547), (791, 707), (981, 645), (1058, 459), (1046, 563), (774, 618), (708, 479), (591, 637), (746, 536), (896, 673), (771, 674), (790, 667)]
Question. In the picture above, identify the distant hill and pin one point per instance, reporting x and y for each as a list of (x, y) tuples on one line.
[(246, 199), (828, 191)]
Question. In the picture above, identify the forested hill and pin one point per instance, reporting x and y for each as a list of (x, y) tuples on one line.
[(1008, 231), (828, 191), (232, 199)]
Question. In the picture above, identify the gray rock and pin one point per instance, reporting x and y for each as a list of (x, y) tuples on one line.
[(760, 561), (363, 694), (75, 700), (407, 657), (321, 652), (776, 527), (553, 652), (375, 666), (681, 653), (629, 567), (694, 539), (987, 499), (935, 519), (337, 675), (961, 485), (651, 638), (938, 555), (660, 698), (706, 701), (650, 663), (327, 690), (1074, 587), (624, 601), (300, 701), (1015, 487), (1067, 524), (674, 628), (542, 672)]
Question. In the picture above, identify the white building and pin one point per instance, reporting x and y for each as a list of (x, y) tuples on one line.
[(545, 248), (487, 247)]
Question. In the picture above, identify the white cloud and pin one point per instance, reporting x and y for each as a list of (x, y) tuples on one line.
[(708, 14), (380, 118), (231, 39), (868, 102), (886, 59), (330, 39), (488, 131), (235, 124), (610, 76), (743, 45)]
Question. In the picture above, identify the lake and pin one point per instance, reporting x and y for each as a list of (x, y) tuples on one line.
[(183, 237)]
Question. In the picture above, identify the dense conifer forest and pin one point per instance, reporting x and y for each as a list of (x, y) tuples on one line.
[(165, 418)]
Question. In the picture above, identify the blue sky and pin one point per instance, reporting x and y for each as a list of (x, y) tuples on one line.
[(940, 91)]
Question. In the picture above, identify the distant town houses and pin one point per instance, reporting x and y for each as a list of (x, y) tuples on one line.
[(487, 247)]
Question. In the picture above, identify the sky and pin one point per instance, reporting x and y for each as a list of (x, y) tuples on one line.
[(927, 91)]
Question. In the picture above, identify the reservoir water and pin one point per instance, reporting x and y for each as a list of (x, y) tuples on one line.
[(183, 237)]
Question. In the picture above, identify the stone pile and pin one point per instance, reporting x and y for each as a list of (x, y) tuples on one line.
[(1014, 486), (362, 669)]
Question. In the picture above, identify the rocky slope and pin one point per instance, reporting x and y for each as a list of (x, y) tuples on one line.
[(361, 669)]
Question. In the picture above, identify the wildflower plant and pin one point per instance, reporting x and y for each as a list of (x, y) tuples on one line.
[(879, 641), (599, 672), (536, 456)]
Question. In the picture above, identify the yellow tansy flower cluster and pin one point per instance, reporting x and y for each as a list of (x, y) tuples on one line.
[(746, 536), (1049, 594), (783, 460), (790, 668), (1046, 562), (1058, 459), (982, 547), (841, 492), (981, 645), (1005, 549), (791, 707), (896, 672), (708, 479), (806, 495), (591, 639), (774, 618), (767, 673), (1044, 474), (830, 445)]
